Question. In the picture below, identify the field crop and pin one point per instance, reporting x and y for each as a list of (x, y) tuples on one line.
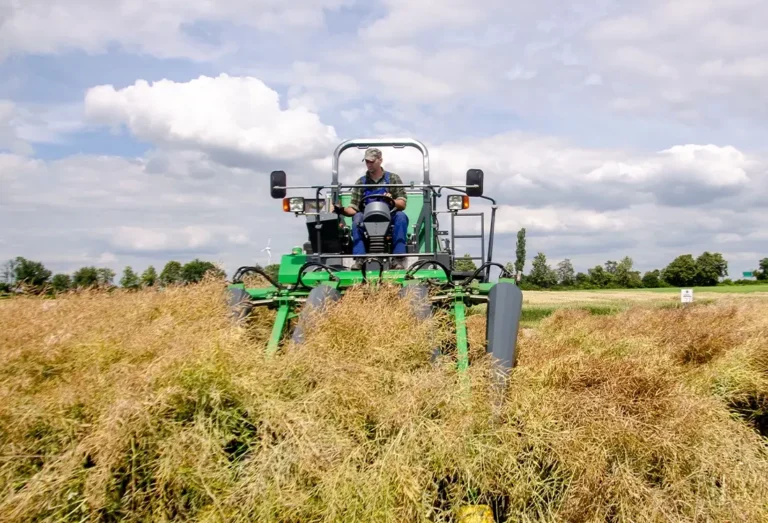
[(152, 406)]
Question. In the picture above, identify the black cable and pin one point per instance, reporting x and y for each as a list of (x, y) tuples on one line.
[(480, 269), (365, 262), (416, 266), (242, 271), (327, 268)]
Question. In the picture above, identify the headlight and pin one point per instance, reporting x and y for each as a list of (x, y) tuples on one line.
[(293, 204), (457, 202)]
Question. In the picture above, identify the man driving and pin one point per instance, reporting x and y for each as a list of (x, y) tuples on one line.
[(376, 175)]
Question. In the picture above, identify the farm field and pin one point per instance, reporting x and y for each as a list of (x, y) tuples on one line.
[(540, 304), (624, 406), (722, 289)]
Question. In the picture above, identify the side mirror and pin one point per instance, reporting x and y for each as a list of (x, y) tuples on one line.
[(475, 177), (277, 179)]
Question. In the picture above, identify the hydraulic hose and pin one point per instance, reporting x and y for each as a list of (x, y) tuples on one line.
[(328, 269), (365, 263), (242, 271), (477, 272), (416, 266)]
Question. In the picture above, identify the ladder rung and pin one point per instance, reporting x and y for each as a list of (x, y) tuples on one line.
[(467, 236)]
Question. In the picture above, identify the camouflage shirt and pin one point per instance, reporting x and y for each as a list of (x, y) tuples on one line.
[(357, 192)]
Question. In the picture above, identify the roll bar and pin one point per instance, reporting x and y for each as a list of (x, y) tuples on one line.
[(365, 143)]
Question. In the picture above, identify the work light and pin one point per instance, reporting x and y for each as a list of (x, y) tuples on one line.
[(457, 202), (295, 204)]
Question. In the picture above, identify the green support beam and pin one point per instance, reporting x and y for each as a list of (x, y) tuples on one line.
[(278, 328), (462, 346)]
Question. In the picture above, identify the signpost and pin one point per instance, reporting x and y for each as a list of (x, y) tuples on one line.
[(686, 295), (747, 274)]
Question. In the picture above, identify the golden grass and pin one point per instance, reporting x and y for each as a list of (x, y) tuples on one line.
[(151, 406)]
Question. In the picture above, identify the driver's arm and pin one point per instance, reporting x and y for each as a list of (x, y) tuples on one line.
[(398, 193), (354, 204)]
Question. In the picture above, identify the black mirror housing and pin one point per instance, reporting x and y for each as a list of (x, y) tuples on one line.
[(475, 177), (277, 179)]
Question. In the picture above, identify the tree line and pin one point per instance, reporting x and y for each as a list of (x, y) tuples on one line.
[(707, 269), (21, 274)]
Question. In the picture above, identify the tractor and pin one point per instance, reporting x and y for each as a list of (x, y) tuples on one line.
[(322, 269)]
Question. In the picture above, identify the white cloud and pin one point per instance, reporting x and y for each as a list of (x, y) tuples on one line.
[(153, 239), (711, 165), (228, 117), (110, 211), (107, 258), (520, 73), (712, 54), (593, 79), (561, 220), (9, 133), (163, 29), (525, 168), (406, 18)]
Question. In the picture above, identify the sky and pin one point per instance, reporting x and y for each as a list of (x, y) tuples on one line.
[(133, 132)]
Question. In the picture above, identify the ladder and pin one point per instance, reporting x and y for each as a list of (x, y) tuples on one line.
[(481, 236)]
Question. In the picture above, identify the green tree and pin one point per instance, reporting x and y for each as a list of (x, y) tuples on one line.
[(105, 276), (710, 267), (762, 272), (466, 264), (171, 273), (149, 277), (542, 274), (85, 277), (195, 271), (520, 251), (8, 274), (30, 273), (611, 267), (130, 279), (652, 279), (625, 277), (565, 273), (61, 283), (599, 277), (581, 278), (681, 272)]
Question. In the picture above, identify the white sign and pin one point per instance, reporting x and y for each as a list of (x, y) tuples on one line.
[(686, 295)]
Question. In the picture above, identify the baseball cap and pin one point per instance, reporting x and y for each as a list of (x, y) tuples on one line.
[(372, 154)]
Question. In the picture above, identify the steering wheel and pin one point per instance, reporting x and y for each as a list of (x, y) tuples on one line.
[(388, 199)]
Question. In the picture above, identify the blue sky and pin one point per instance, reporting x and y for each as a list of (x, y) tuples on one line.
[(132, 131)]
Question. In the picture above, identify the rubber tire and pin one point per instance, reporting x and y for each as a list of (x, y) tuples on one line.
[(505, 305), (418, 295), (238, 306), (316, 300)]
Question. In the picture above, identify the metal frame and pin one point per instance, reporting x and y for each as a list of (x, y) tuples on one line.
[(454, 236)]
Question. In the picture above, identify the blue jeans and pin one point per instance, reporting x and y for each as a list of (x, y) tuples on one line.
[(399, 230)]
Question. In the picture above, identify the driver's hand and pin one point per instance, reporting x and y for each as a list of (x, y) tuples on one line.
[(388, 194)]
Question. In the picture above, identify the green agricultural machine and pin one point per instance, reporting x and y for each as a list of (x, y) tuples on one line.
[(322, 269)]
